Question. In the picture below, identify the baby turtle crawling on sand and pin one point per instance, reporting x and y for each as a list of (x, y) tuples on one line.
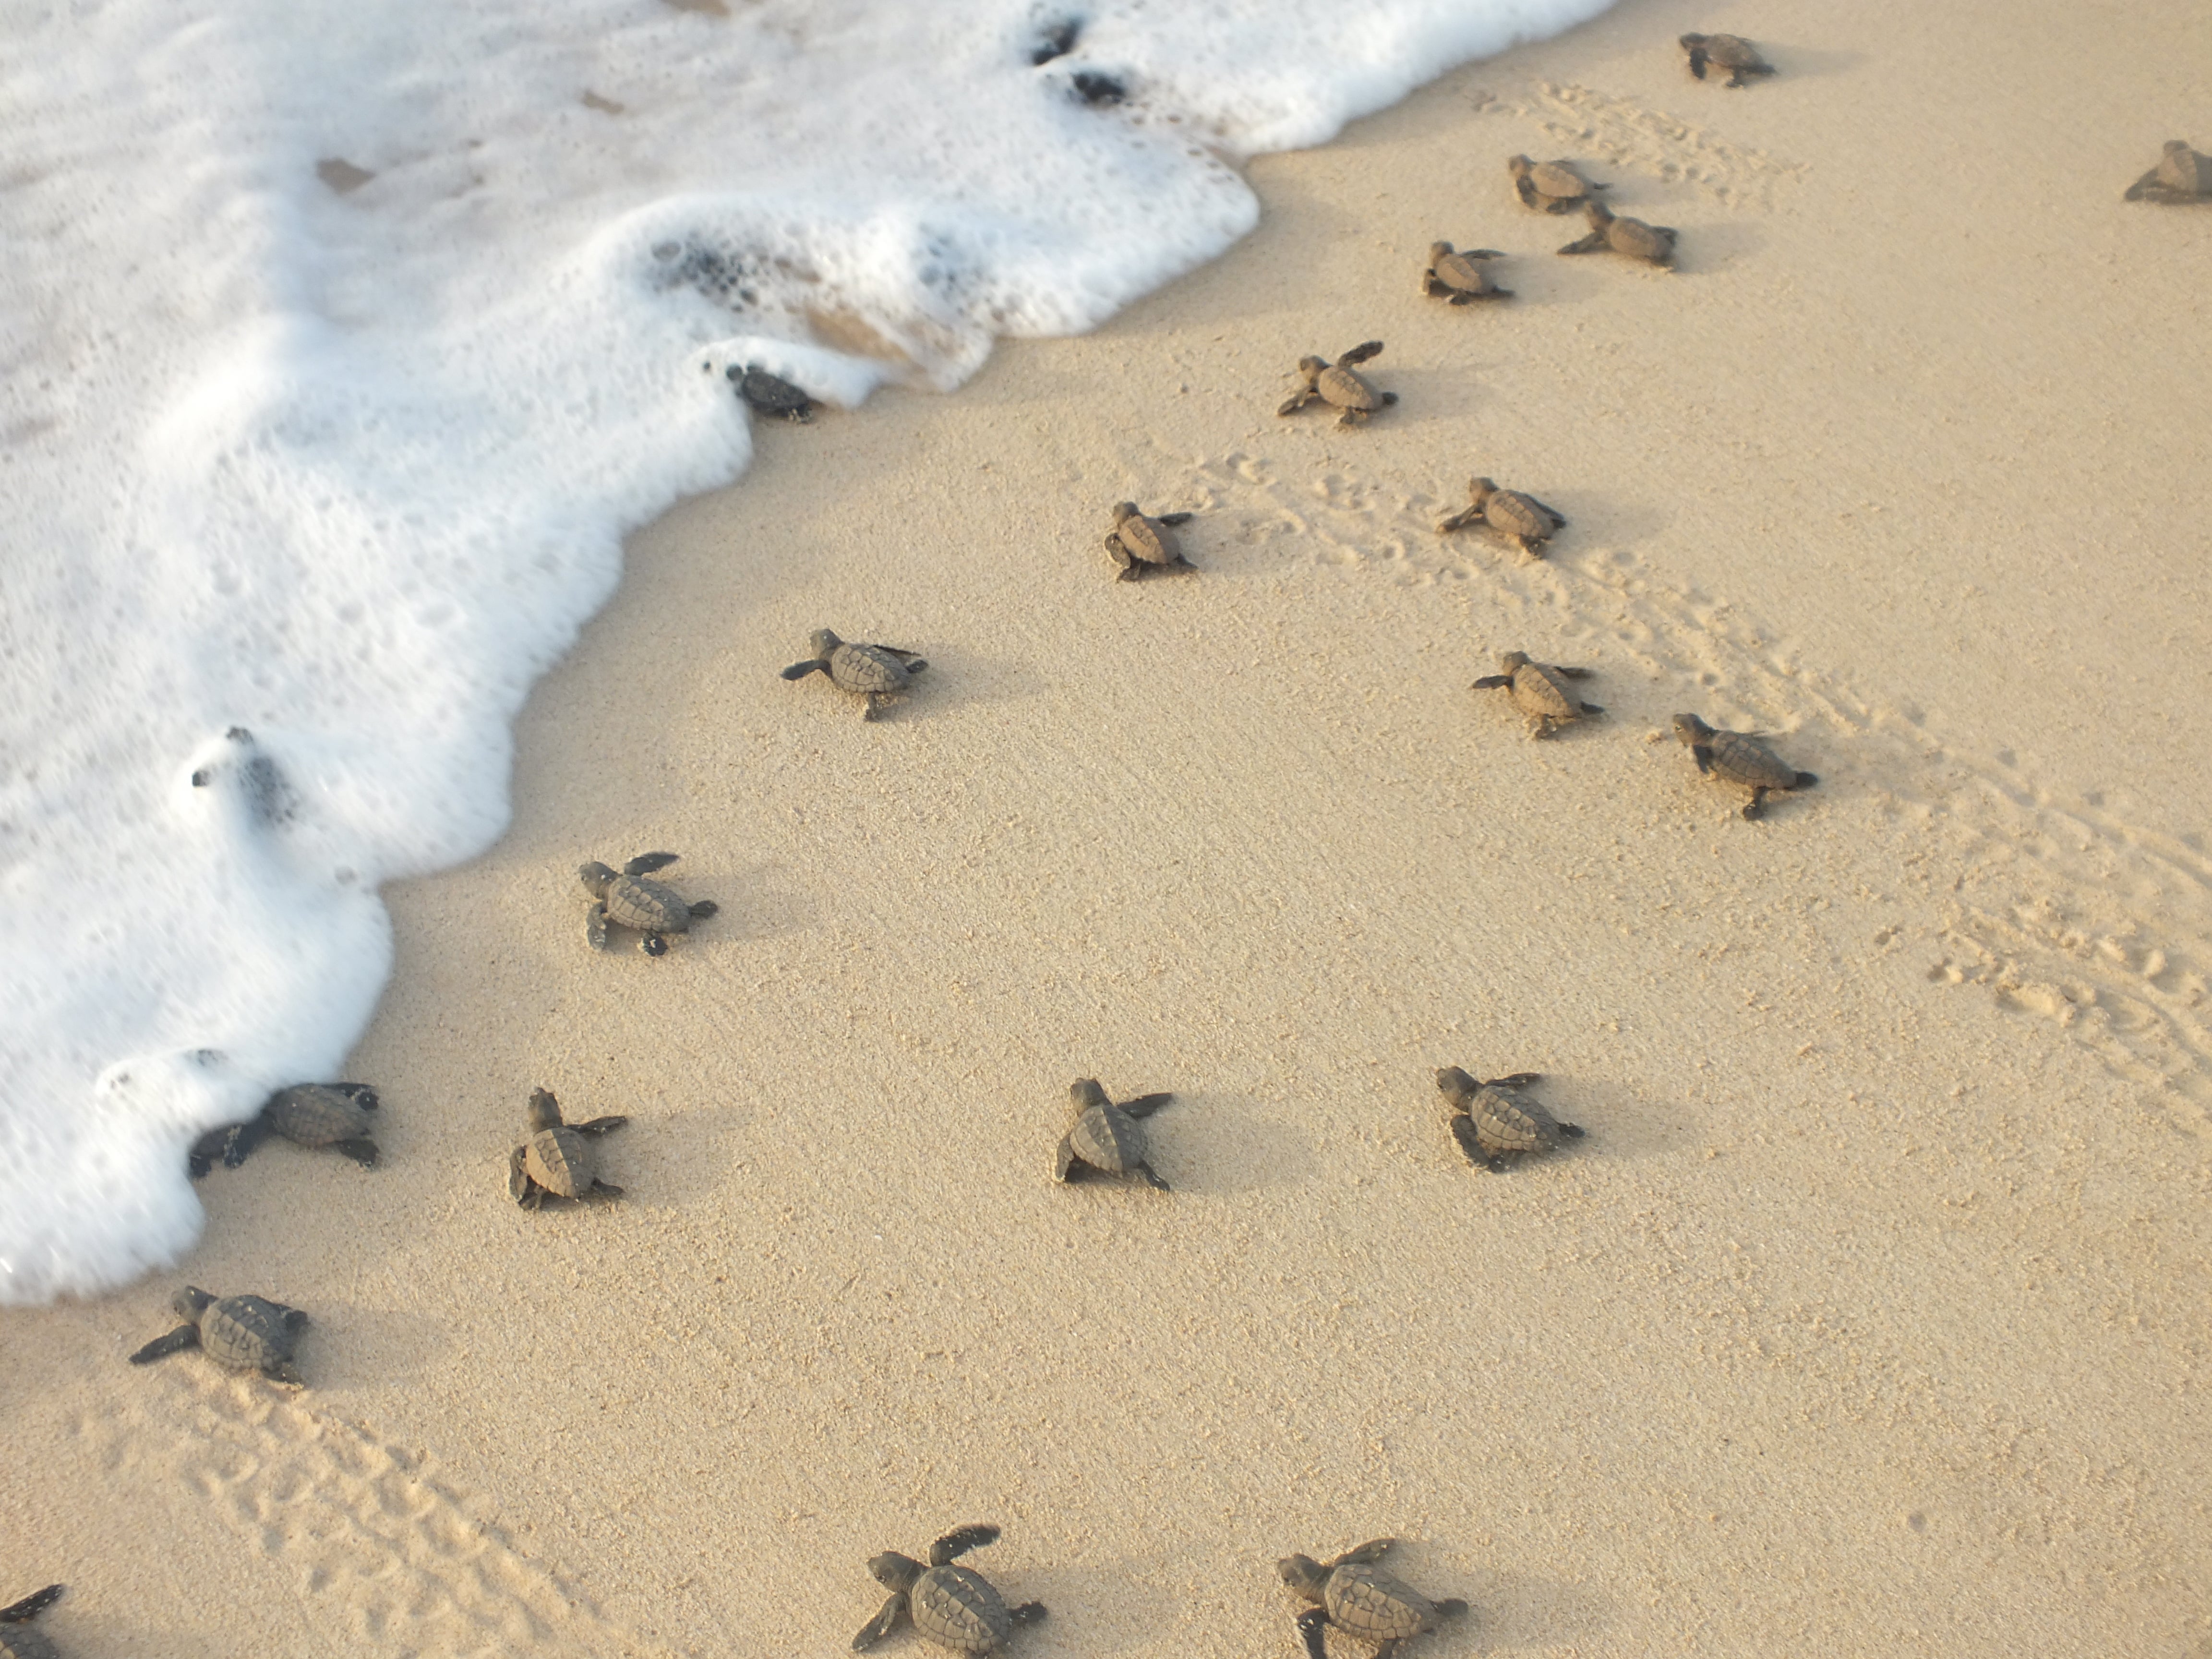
[(1540, 691), (17, 1639), (245, 1332), (307, 1114), (1729, 51), (1107, 1137), (1141, 543), (626, 899), (1653, 244), (1741, 758), (1494, 1121), (872, 671), (1361, 1600), (770, 394), (1550, 186), (1463, 278), (954, 1606), (557, 1161), (1339, 385), (2181, 175), (1521, 519)]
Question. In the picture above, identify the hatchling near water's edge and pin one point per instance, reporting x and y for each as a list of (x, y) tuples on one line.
[(1341, 385), (1108, 1137), (1540, 691), (1520, 518), (771, 394), (557, 1160), (1550, 186), (628, 898), (1741, 758), (18, 1640), (1142, 543), (245, 1332), (870, 671), (307, 1114), (1461, 278), (1609, 232), (2181, 175), (1495, 1121), (1361, 1600), (1729, 51), (953, 1606)]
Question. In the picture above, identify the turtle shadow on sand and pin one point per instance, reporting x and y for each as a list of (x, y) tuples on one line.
[(362, 1346), (1226, 1143), (685, 1156), (1521, 1611)]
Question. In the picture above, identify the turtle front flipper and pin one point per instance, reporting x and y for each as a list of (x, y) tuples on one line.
[(1172, 518), (1123, 557), (1698, 62), (1298, 401), (1146, 1105), (1573, 673), (519, 1187), (1492, 683), (1460, 521), (239, 1143), (1366, 1554), (1755, 808), (183, 1337), (799, 671), (893, 1614), (1462, 1128), (1593, 243), (1311, 1624), (646, 863), (1516, 1079), (1703, 754), (31, 1606), (595, 926), (598, 1126), (1360, 353), (209, 1148), (1067, 1166), (957, 1542), (362, 1152)]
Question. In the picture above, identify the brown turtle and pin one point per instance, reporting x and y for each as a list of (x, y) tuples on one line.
[(1141, 544), (954, 1606), (1461, 278), (1550, 186), (628, 898), (1653, 244), (873, 673), (1521, 519), (1107, 1137), (557, 1161), (1341, 385), (307, 1114), (1495, 1121), (1741, 758), (1729, 51), (245, 1332), (1361, 1600), (2181, 175), (1540, 691), (771, 394), (17, 1639)]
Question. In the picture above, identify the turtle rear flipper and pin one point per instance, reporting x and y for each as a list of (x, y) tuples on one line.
[(1572, 1131), (1146, 1105), (1593, 243), (605, 1189), (646, 863), (892, 1615), (1558, 519), (704, 908), (1312, 1623), (1028, 1613), (183, 1337), (1451, 1607), (1591, 708), (1806, 780), (362, 1152), (286, 1373), (31, 1606), (799, 671), (957, 1542), (1151, 1176)]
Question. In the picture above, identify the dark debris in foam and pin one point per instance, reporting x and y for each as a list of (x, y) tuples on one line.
[(1056, 39), (728, 279), (1094, 88)]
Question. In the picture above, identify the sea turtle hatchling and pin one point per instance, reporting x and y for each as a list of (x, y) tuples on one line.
[(245, 1332), (627, 897), (1741, 758), (1731, 52), (1140, 543), (771, 394), (557, 1160), (1108, 1137), (872, 672), (1520, 518), (2181, 175), (1550, 186), (1609, 232), (1495, 1121), (1341, 385), (1540, 690), (307, 1114), (953, 1606), (1360, 1599), (1461, 278), (18, 1640)]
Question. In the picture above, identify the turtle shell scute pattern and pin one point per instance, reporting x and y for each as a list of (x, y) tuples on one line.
[(959, 1607)]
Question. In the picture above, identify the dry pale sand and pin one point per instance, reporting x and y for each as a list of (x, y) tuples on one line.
[(1871, 1316)]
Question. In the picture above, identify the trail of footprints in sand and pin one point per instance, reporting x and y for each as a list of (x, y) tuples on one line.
[(1598, 128), (2066, 911), (381, 1550)]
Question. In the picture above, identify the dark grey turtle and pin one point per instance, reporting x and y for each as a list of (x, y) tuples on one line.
[(2181, 175), (245, 1332), (1341, 385), (1540, 690), (1729, 51), (17, 1639), (1141, 543), (308, 1114), (1521, 519), (1495, 1121), (627, 898), (1741, 758), (1653, 244), (1461, 278), (1361, 1600), (873, 673), (557, 1160), (770, 394), (954, 1606), (1107, 1137), (1550, 186)]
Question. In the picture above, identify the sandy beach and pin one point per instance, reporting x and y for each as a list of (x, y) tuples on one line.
[(1870, 1317)]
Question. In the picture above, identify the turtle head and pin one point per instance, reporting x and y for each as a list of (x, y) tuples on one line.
[(1455, 1083), (894, 1571), (1519, 165), (1304, 1575), (1125, 511), (1514, 661), (1086, 1093), (1311, 367), (596, 877), (1689, 729), (1692, 42), (822, 642), (1439, 251), (543, 1111), (190, 1303), (1480, 490), (1600, 214)]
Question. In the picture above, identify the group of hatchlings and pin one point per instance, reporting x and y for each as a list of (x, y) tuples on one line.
[(1493, 1121)]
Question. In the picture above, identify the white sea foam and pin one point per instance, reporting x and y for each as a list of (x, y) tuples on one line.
[(342, 342)]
